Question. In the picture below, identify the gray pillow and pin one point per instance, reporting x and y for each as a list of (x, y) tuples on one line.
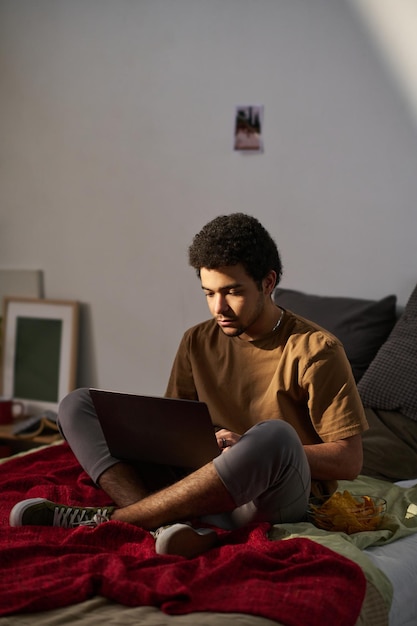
[(390, 384), (361, 325)]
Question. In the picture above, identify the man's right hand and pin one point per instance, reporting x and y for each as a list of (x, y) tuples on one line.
[(226, 439)]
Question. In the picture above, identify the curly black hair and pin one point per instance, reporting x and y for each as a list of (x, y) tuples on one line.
[(232, 239)]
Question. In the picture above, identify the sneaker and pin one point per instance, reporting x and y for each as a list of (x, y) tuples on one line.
[(184, 540), (41, 512)]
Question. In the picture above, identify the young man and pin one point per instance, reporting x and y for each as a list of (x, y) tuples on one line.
[(279, 389)]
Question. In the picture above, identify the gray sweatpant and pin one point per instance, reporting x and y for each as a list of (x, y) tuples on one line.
[(266, 472)]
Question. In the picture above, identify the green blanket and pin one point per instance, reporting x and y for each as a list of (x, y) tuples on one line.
[(399, 521)]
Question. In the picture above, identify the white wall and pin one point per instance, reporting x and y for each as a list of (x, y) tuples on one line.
[(116, 121), (393, 25)]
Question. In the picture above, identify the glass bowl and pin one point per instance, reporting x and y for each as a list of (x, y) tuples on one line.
[(347, 513)]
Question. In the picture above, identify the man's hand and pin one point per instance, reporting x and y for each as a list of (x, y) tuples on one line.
[(226, 439)]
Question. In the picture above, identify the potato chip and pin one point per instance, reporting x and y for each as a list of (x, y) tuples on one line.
[(345, 512)]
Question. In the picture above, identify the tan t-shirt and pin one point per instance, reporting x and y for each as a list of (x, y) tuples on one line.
[(299, 374)]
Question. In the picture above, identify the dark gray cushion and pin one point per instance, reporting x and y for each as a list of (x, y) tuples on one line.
[(389, 446), (390, 384), (361, 325)]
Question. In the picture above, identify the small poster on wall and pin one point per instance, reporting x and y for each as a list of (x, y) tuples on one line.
[(248, 128)]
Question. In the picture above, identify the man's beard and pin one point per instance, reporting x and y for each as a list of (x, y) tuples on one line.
[(236, 332)]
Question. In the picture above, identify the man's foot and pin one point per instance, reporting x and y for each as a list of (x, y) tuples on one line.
[(41, 512), (184, 540)]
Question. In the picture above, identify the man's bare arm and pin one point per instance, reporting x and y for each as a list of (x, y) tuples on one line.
[(336, 460)]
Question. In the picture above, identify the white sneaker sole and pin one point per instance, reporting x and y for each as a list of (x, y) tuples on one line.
[(183, 540)]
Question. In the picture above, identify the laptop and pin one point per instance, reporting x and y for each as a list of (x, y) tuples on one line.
[(148, 429)]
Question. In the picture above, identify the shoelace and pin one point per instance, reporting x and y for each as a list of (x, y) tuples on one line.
[(68, 517), (97, 519)]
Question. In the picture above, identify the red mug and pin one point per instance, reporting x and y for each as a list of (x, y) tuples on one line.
[(8, 410)]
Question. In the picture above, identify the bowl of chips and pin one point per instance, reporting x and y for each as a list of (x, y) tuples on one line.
[(347, 513)]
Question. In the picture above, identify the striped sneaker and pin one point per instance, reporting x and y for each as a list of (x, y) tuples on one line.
[(42, 512), (183, 540)]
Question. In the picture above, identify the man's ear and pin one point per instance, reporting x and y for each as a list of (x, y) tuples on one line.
[(269, 282)]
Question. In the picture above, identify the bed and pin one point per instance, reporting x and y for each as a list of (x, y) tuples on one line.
[(286, 574)]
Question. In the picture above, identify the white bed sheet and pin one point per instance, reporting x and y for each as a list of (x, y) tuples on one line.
[(398, 561)]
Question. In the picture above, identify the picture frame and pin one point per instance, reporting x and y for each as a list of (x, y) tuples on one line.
[(40, 346), (20, 283), (248, 128)]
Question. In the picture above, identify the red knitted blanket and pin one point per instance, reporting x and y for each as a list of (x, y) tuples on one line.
[(295, 582)]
